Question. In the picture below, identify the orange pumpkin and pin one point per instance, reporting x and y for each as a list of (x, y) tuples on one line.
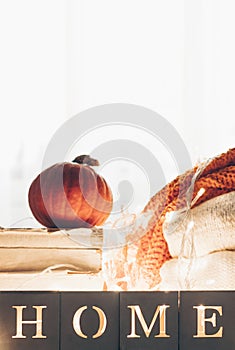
[(70, 195)]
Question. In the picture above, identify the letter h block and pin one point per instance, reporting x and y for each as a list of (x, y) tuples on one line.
[(29, 320), (149, 320)]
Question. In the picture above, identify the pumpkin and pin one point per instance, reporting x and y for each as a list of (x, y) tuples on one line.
[(70, 195)]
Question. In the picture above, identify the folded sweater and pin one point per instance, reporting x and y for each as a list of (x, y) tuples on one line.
[(216, 177)]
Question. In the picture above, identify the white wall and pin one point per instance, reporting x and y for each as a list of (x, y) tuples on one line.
[(60, 57), (209, 74), (33, 94)]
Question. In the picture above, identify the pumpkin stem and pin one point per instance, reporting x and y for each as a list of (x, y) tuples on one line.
[(85, 159)]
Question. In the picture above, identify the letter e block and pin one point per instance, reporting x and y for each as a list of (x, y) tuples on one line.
[(207, 320)]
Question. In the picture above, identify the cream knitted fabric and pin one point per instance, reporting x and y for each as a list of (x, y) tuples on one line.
[(212, 228), (214, 271)]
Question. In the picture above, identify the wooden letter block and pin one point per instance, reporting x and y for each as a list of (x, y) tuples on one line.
[(89, 320), (207, 320), (148, 320), (29, 320)]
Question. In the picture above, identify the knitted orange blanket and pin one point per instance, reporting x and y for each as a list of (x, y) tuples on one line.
[(216, 177)]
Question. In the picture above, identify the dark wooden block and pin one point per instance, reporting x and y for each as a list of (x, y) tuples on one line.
[(139, 310), (211, 328), (29, 306), (89, 320)]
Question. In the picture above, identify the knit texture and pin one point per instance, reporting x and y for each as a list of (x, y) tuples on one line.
[(216, 177)]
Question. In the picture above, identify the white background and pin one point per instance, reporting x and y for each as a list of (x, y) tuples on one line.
[(60, 57)]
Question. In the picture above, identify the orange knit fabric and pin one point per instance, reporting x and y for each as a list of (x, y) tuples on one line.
[(217, 178)]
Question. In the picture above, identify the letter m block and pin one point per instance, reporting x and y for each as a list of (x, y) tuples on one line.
[(148, 320)]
